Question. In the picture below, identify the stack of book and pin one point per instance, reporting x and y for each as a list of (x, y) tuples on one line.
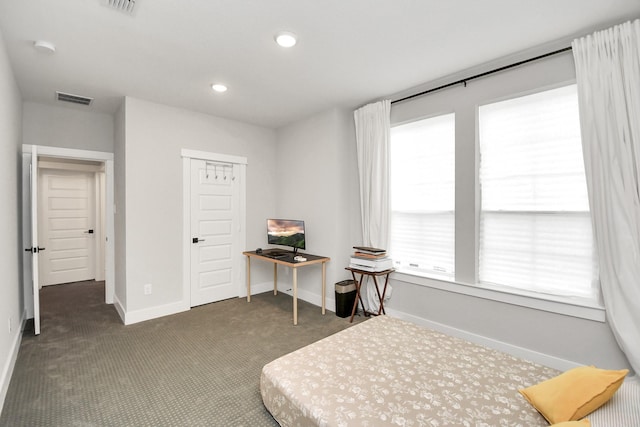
[(370, 259)]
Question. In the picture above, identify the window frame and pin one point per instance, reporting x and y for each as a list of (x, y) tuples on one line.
[(467, 248), (422, 272), (583, 213)]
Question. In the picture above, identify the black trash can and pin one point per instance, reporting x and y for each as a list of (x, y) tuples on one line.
[(345, 297)]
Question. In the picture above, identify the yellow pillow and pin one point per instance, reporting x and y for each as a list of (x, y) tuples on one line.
[(574, 394), (582, 423)]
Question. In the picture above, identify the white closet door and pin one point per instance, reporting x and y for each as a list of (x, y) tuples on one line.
[(215, 214), (68, 226)]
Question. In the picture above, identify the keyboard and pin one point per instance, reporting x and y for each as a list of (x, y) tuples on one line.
[(277, 254)]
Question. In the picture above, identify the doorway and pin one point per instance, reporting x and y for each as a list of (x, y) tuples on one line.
[(69, 219), (38, 162), (214, 226)]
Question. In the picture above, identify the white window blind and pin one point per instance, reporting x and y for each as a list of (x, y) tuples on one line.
[(535, 226), (423, 196)]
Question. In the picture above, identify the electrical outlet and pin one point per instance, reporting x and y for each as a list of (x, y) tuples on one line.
[(148, 289)]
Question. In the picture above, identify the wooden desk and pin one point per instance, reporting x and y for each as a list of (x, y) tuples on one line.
[(288, 262), (358, 283)]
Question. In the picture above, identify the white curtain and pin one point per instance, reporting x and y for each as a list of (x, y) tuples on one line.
[(373, 128), (608, 75)]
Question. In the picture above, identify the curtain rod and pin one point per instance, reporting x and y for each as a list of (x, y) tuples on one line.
[(486, 73)]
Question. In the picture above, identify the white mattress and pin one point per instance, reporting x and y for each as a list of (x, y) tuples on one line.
[(387, 372)]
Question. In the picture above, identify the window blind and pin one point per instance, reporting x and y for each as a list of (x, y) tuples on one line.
[(535, 226), (423, 196)]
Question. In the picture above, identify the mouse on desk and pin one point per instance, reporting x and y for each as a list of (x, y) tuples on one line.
[(259, 250)]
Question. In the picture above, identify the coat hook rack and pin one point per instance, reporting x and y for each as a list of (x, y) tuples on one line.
[(224, 167)]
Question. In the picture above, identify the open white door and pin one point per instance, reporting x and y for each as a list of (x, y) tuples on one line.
[(31, 160), (34, 240)]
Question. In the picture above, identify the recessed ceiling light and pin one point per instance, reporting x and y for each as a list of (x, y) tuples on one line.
[(286, 39), (44, 46), (219, 87)]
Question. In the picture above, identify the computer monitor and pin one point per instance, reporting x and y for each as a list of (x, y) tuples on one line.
[(286, 232)]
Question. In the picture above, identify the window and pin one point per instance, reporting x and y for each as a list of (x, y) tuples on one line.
[(535, 226), (423, 196)]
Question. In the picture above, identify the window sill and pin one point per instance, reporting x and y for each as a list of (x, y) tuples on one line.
[(567, 306)]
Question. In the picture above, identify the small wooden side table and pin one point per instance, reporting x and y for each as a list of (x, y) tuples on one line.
[(374, 275)]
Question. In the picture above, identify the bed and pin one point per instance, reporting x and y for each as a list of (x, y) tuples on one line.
[(386, 371)]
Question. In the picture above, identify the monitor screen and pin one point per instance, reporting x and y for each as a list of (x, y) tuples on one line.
[(286, 232)]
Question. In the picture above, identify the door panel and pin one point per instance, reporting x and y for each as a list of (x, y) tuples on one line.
[(67, 214), (214, 203), (214, 217)]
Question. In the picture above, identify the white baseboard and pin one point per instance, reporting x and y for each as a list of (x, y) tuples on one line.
[(258, 288), (119, 308), (7, 369), (313, 298), (524, 353), (136, 316)]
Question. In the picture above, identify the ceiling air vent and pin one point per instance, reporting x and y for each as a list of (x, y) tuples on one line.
[(121, 5), (74, 99)]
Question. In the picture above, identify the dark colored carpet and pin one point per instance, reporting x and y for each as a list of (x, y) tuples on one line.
[(198, 368)]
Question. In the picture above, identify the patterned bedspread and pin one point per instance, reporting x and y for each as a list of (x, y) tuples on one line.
[(388, 372)]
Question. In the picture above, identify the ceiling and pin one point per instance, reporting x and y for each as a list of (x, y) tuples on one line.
[(349, 51)]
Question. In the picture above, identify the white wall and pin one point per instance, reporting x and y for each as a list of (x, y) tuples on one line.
[(11, 304), (67, 127), (153, 138), (317, 182)]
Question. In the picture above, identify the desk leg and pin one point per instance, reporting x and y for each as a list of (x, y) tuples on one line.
[(295, 296), (248, 279), (324, 285), (275, 278)]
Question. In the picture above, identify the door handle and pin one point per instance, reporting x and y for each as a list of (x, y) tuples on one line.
[(88, 232), (196, 240), (35, 250)]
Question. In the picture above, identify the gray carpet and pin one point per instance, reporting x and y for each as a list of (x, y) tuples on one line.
[(198, 368)]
